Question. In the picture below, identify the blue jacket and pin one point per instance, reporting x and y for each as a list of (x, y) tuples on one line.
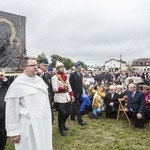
[(85, 101)]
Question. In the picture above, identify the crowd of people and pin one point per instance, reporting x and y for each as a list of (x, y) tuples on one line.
[(27, 104)]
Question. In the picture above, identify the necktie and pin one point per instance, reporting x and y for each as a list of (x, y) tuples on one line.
[(132, 94), (112, 95)]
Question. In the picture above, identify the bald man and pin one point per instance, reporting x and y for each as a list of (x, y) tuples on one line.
[(136, 106)]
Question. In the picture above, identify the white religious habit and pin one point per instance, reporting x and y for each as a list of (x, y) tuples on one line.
[(28, 113)]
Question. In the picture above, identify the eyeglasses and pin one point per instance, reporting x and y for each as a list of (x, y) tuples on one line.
[(32, 65)]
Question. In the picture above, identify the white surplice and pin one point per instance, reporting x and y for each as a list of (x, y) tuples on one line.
[(28, 113)]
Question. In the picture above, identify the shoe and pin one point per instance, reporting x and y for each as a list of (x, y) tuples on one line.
[(92, 116), (65, 127), (63, 133), (74, 120), (99, 114), (82, 123), (142, 128)]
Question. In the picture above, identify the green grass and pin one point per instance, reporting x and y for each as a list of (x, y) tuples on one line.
[(102, 134)]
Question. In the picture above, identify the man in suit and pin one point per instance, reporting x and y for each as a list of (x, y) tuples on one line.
[(43, 73), (3, 89), (112, 103), (136, 106), (77, 88)]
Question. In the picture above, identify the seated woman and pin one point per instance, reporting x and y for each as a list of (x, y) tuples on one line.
[(119, 90), (121, 93)]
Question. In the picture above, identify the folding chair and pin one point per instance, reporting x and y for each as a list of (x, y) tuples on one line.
[(122, 110)]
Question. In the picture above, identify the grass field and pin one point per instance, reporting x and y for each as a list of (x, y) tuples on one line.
[(101, 134)]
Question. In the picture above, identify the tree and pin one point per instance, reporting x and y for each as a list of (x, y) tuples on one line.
[(41, 57), (66, 61), (54, 58)]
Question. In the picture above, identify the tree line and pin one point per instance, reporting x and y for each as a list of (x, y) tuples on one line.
[(66, 61)]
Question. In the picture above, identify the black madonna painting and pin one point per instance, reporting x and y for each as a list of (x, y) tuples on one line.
[(12, 41)]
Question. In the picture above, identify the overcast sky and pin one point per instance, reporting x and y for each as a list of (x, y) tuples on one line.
[(92, 31)]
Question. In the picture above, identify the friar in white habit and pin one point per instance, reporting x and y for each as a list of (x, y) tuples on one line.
[(28, 115)]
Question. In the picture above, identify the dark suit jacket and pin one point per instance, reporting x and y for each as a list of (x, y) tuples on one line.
[(114, 99), (145, 78), (121, 95), (76, 84), (3, 89), (47, 79), (137, 103)]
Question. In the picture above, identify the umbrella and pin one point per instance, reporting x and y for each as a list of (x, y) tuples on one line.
[(136, 80)]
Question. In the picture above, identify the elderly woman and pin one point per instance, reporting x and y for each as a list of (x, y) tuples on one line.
[(112, 103), (119, 90)]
